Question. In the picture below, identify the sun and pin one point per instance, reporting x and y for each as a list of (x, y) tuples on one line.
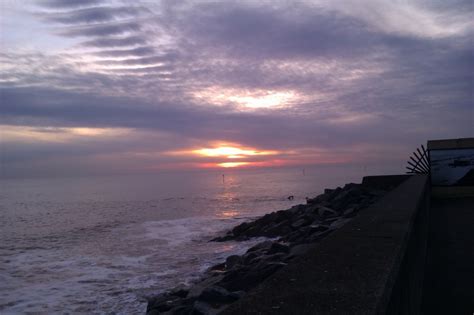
[(227, 155), (233, 164), (231, 152)]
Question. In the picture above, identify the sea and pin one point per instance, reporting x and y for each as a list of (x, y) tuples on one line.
[(103, 244)]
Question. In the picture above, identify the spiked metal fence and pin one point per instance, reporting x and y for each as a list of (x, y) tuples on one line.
[(419, 163)]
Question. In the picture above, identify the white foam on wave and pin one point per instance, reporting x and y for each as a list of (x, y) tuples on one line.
[(184, 244), (118, 269), (175, 232)]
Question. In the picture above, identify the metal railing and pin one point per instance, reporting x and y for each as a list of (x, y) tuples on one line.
[(419, 163)]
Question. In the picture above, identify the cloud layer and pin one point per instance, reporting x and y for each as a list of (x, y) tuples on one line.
[(337, 82)]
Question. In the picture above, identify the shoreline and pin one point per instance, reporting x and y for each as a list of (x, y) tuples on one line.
[(291, 233)]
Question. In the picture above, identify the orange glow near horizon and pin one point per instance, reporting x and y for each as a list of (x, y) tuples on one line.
[(232, 164), (231, 152), (227, 155), (221, 154)]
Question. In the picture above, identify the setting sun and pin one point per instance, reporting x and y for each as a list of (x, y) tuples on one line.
[(231, 152), (227, 155), (233, 164)]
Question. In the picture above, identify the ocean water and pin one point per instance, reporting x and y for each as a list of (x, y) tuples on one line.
[(103, 244)]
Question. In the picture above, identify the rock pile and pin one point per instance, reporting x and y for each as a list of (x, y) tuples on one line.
[(292, 231)]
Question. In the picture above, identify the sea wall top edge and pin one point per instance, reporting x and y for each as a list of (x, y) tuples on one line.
[(461, 143)]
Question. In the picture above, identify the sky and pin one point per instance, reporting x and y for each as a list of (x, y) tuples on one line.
[(104, 87)]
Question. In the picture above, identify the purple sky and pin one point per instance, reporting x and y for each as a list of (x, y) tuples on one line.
[(132, 86)]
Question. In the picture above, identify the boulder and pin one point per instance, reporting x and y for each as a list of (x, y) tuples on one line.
[(218, 295), (299, 223), (350, 186), (325, 212), (200, 308), (346, 197), (278, 248), (249, 278), (328, 221), (311, 210), (239, 229), (294, 236), (265, 245), (332, 193), (181, 310), (310, 201), (224, 238), (296, 208), (232, 260), (313, 228), (338, 223), (250, 257), (279, 229), (218, 268), (196, 290), (180, 291), (350, 212), (301, 249), (272, 258), (317, 236), (163, 303)]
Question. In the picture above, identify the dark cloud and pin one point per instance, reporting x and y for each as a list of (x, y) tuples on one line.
[(109, 26), (139, 51), (273, 33), (101, 30), (63, 108), (67, 3), (93, 15), (115, 42), (453, 6)]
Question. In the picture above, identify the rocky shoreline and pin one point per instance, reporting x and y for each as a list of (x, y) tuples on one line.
[(291, 232)]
